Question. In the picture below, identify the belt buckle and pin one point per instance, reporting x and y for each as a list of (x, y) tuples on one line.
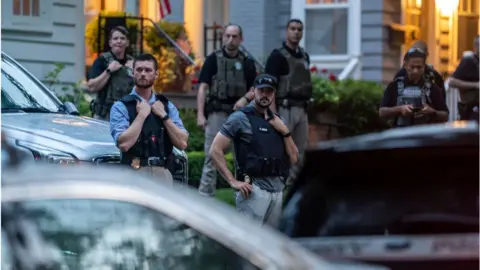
[(150, 160)]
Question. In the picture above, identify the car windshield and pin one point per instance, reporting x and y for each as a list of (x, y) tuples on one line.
[(21, 93), (107, 234)]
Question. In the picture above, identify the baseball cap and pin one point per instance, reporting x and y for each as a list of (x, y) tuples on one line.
[(265, 80)]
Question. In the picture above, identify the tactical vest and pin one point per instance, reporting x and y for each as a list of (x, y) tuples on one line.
[(229, 84), (153, 140), (264, 154), (297, 84), (416, 96), (119, 85)]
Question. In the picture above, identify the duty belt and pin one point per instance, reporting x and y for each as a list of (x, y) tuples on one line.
[(288, 103), (149, 162)]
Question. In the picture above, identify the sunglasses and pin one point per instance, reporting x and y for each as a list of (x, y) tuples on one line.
[(266, 80)]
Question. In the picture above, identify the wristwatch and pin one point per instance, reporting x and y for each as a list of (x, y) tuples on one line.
[(287, 135), (108, 71), (165, 118)]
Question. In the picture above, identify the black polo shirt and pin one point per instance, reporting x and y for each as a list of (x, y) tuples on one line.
[(210, 69), (277, 64)]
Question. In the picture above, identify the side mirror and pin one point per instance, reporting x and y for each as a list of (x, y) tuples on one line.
[(70, 108)]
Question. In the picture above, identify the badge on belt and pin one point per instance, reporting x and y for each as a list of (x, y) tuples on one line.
[(135, 163)]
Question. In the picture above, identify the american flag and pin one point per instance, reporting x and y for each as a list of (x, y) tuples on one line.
[(165, 9)]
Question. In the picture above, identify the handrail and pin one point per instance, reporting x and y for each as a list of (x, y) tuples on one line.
[(253, 57), (165, 35), (352, 64)]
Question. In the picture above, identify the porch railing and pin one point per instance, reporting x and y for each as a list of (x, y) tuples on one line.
[(213, 41), (452, 99)]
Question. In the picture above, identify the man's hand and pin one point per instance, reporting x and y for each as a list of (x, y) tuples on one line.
[(243, 187), (278, 124), (428, 110), (250, 94), (158, 109), (143, 109), (405, 110), (201, 120), (114, 66)]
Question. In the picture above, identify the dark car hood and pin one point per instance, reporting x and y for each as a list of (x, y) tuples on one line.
[(82, 136)]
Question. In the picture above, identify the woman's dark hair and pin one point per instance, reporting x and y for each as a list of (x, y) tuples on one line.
[(119, 29), (415, 53)]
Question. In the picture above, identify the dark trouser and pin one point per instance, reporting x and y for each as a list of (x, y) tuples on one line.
[(468, 111)]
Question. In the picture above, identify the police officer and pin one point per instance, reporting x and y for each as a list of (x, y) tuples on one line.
[(226, 76), (111, 74), (290, 65), (264, 151), (412, 100), (146, 126), (466, 79), (430, 73)]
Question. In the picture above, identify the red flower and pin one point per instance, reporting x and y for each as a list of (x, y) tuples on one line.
[(332, 77), (313, 69), (324, 70), (197, 68), (194, 80)]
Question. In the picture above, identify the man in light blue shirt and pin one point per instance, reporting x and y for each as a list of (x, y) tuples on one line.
[(145, 126)]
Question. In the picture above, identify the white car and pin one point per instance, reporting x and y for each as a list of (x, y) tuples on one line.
[(90, 217)]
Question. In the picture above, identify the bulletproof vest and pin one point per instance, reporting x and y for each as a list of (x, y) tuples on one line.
[(153, 140), (119, 85), (229, 84), (297, 84), (262, 155), (416, 96)]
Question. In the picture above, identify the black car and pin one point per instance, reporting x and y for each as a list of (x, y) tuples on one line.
[(404, 198)]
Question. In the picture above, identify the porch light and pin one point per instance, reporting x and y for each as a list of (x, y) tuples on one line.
[(447, 7)]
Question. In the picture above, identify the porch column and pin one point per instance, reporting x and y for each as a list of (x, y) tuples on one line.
[(193, 16)]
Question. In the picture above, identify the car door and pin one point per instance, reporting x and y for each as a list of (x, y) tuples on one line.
[(112, 234)]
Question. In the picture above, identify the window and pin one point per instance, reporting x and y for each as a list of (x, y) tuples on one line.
[(105, 234), (26, 8), (327, 31)]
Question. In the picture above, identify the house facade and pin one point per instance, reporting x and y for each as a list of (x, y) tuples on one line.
[(362, 39), (42, 33)]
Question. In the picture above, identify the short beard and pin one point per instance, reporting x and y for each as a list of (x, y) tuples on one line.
[(260, 105), (147, 85)]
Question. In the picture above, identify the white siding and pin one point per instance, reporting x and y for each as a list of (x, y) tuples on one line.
[(56, 36)]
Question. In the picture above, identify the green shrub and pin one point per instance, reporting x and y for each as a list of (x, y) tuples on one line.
[(72, 92), (195, 167), (196, 136), (354, 102)]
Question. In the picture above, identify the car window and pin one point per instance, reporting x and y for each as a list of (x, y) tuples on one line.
[(416, 191), (104, 234), (20, 91)]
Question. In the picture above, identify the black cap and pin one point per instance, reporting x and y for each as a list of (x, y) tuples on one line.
[(265, 80)]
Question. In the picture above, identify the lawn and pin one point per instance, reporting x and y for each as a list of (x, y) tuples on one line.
[(225, 195)]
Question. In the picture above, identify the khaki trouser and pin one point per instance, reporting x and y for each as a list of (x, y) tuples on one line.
[(261, 205), (296, 120), (157, 173), (208, 181), (106, 118)]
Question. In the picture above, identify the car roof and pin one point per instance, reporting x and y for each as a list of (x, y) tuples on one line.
[(458, 133), (47, 182)]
